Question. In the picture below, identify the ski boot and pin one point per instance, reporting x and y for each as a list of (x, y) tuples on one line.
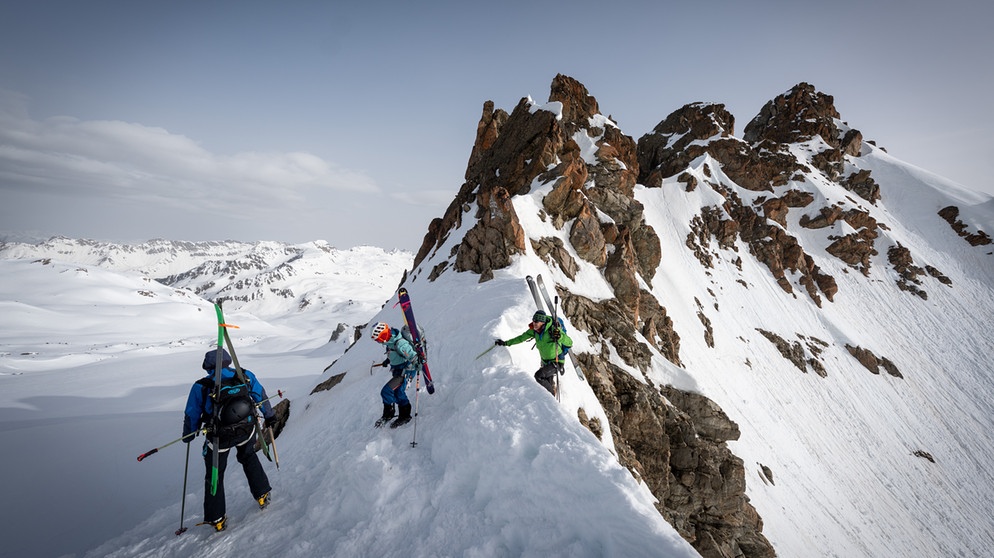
[(387, 415), (404, 417), (217, 524)]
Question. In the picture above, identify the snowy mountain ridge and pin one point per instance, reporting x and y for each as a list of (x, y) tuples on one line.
[(702, 277)]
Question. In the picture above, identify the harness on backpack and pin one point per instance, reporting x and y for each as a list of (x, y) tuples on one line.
[(236, 420)]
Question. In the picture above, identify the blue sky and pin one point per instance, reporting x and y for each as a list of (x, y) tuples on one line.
[(297, 121)]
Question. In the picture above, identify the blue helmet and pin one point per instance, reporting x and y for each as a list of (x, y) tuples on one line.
[(210, 359)]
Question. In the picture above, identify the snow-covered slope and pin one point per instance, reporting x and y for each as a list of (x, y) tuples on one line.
[(840, 461), (847, 450), (96, 364), (499, 470)]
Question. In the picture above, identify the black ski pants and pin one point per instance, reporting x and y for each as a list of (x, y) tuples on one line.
[(546, 375), (258, 481)]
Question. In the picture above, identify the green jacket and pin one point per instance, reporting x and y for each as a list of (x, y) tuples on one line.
[(548, 349)]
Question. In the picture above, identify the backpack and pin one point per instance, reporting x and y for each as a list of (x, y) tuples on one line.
[(235, 422), (421, 348), (562, 324), (405, 332)]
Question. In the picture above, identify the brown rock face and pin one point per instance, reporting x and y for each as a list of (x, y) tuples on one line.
[(768, 243), (668, 150), (951, 216), (578, 104), (802, 114), (873, 363), (510, 153), (675, 441), (796, 116), (495, 238), (587, 238), (858, 247)]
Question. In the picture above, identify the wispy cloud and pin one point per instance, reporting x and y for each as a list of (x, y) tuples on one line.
[(115, 159)]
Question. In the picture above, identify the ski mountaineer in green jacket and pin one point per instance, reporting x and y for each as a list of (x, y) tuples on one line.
[(552, 343)]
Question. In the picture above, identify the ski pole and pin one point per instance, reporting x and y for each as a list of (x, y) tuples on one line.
[(555, 324), (182, 507), (417, 392), (151, 451), (272, 444), (279, 393)]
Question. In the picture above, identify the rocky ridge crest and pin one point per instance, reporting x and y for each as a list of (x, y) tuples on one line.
[(771, 186)]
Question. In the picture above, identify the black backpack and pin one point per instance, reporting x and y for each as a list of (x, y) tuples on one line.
[(236, 419)]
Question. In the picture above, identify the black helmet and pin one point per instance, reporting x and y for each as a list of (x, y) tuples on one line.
[(235, 411), (541, 316), (210, 359)]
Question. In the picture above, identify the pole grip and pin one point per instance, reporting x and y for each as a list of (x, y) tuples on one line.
[(147, 453)]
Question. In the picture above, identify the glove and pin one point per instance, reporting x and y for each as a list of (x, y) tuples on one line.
[(385, 363), (500, 342), (270, 422), (190, 436), (555, 334)]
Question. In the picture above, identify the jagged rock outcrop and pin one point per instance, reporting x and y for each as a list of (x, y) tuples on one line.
[(768, 241), (766, 185), (496, 237), (510, 151), (951, 215), (591, 199), (670, 147), (552, 251), (763, 162), (872, 362), (796, 116), (795, 352), (908, 272), (802, 115), (529, 146)]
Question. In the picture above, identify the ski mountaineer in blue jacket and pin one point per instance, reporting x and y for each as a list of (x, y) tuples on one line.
[(402, 359), (238, 429), (552, 344)]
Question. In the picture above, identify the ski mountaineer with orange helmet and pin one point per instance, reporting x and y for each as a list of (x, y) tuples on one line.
[(402, 360)]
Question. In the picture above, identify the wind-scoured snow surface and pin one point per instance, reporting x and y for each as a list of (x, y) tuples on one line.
[(96, 363)]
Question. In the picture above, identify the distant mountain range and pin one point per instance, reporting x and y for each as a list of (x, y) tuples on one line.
[(268, 279)]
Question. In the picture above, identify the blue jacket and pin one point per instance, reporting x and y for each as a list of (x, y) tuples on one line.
[(199, 405)]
